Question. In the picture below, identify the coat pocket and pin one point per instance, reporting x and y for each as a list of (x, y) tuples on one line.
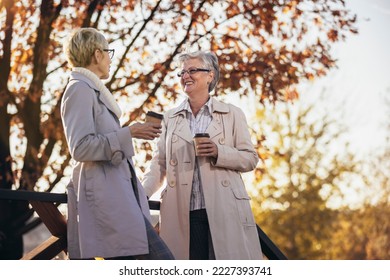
[(243, 206), (94, 178)]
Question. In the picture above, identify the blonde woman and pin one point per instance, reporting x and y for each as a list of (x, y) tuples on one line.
[(108, 213)]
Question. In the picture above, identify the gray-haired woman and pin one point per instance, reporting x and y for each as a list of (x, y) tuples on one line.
[(205, 211), (108, 213)]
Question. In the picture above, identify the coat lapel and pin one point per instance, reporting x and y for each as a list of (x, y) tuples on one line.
[(105, 102), (216, 126), (182, 128)]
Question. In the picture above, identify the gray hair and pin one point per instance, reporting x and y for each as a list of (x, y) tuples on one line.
[(81, 45), (209, 61)]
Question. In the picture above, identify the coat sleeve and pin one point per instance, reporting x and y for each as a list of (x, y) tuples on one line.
[(156, 172), (84, 143), (241, 156)]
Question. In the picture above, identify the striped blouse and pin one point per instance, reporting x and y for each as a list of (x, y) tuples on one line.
[(198, 124)]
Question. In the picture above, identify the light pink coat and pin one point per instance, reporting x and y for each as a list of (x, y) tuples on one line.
[(104, 218)]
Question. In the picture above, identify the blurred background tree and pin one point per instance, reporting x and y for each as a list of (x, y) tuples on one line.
[(264, 47), (307, 178), (374, 218), (364, 233), (300, 182)]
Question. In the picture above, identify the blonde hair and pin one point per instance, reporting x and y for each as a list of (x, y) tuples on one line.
[(209, 61), (81, 45)]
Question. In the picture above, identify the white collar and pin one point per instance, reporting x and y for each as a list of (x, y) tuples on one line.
[(107, 95)]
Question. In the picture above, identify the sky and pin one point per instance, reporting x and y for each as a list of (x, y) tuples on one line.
[(362, 77)]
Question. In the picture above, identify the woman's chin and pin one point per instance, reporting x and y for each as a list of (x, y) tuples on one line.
[(187, 90)]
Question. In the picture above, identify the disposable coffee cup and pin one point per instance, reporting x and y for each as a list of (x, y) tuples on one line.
[(153, 117), (197, 139)]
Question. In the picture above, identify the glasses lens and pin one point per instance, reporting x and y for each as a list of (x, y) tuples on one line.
[(190, 72), (110, 52)]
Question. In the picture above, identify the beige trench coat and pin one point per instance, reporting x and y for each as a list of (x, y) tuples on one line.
[(232, 225)]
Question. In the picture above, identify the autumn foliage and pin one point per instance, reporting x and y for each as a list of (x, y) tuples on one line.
[(265, 47)]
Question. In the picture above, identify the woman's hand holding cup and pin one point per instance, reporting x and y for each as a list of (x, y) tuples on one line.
[(204, 147)]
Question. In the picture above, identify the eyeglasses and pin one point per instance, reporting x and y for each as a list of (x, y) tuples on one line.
[(111, 52), (192, 71)]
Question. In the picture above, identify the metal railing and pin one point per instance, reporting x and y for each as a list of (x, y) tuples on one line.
[(43, 204)]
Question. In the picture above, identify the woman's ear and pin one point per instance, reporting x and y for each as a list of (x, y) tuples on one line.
[(211, 77), (97, 56)]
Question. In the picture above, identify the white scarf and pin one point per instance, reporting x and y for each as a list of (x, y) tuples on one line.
[(107, 95)]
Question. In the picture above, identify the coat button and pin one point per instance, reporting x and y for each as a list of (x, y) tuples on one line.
[(174, 138), (225, 183), (221, 141), (172, 183), (173, 162)]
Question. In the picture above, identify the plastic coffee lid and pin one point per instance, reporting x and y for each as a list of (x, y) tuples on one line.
[(201, 135), (155, 115)]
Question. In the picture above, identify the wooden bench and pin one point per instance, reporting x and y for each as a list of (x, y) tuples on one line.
[(45, 205)]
